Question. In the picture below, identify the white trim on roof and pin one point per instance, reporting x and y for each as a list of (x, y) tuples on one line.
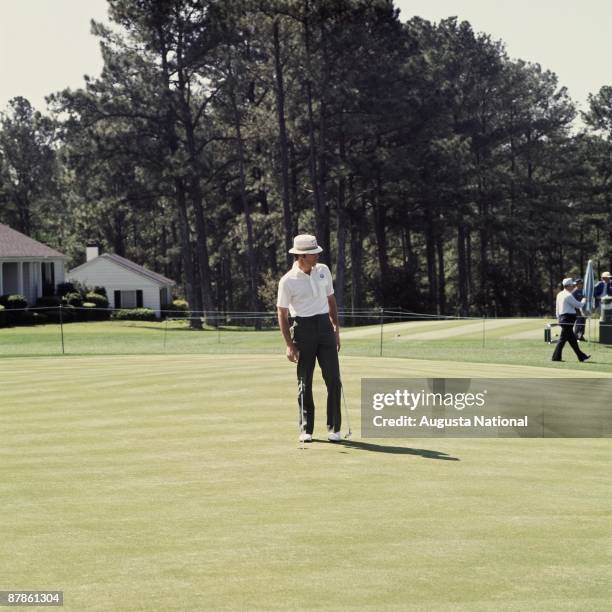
[(10, 258), (127, 265)]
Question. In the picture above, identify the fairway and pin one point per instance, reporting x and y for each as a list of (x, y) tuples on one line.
[(175, 482)]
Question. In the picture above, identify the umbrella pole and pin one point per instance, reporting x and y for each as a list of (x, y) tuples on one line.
[(589, 331)]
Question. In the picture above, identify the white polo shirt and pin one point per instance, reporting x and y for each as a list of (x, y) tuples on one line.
[(305, 294), (567, 303)]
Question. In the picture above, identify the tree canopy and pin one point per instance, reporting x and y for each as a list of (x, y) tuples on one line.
[(438, 174)]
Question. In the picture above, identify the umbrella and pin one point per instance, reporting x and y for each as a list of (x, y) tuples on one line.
[(589, 288)]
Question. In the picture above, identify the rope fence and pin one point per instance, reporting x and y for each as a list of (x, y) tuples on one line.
[(368, 325)]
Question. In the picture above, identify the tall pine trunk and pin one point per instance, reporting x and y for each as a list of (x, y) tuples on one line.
[(341, 231), (204, 294), (462, 268), (341, 255), (380, 231), (441, 306), (313, 155), (430, 251), (356, 247), (293, 167), (283, 146), (251, 258), (192, 288)]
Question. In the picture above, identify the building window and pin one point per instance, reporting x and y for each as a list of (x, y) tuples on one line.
[(128, 299)]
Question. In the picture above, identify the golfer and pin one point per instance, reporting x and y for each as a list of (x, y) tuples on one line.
[(307, 293), (566, 314)]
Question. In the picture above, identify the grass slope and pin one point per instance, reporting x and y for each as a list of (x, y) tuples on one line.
[(176, 483)]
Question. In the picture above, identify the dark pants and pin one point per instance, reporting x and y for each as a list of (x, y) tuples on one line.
[(567, 335), (315, 339), (579, 327)]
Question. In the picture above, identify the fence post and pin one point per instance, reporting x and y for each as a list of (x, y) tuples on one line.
[(484, 318), (382, 322), (62, 326)]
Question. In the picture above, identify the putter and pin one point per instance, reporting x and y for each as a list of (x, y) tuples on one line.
[(346, 412)]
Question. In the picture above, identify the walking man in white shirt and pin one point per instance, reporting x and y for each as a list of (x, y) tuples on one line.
[(307, 293), (566, 315)]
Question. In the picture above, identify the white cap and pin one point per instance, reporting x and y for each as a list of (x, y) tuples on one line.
[(568, 282), (305, 244)]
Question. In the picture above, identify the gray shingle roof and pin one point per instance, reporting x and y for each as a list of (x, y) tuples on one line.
[(16, 244), (130, 265)]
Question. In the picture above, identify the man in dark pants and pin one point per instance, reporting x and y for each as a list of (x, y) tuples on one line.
[(580, 319), (566, 314), (307, 293)]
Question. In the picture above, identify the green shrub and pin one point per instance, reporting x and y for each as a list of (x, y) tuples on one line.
[(134, 314), (12, 302), (101, 301), (90, 312), (99, 291), (76, 300), (40, 318), (2, 316), (49, 301), (73, 299), (48, 307), (64, 289), (14, 309), (28, 318), (68, 314), (176, 307)]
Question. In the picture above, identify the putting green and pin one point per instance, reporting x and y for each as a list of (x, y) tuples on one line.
[(171, 482)]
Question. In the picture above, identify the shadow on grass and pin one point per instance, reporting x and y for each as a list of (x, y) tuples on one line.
[(393, 450)]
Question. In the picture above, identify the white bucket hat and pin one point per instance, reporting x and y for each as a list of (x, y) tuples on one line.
[(568, 282), (305, 244)]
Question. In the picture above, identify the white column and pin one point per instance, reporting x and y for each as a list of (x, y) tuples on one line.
[(25, 284), (20, 277), (60, 272), (38, 268)]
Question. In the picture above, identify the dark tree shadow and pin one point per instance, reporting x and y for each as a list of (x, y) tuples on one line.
[(394, 450)]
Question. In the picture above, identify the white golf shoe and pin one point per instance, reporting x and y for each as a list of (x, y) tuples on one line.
[(305, 437), (334, 436)]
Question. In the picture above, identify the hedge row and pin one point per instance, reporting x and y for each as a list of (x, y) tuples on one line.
[(75, 306), (134, 314)]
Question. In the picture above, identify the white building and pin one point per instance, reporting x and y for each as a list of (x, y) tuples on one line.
[(28, 267), (127, 284)]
